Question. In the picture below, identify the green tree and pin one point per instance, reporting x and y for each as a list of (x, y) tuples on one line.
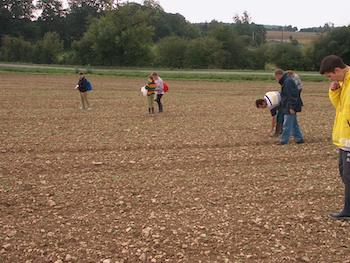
[(170, 52), (235, 49), (256, 58), (15, 18), (336, 42), (99, 5), (15, 49), (48, 49), (172, 25), (285, 56), (51, 18), (154, 4), (122, 37), (205, 52), (18, 9), (79, 16)]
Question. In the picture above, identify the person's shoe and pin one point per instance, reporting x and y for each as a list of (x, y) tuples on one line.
[(300, 142), (281, 143), (339, 216)]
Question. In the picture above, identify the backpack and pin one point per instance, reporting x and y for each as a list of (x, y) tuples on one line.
[(88, 85), (165, 87)]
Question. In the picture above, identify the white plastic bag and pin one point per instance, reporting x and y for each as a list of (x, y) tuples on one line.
[(144, 91)]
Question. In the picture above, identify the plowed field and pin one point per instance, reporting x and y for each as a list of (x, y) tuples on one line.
[(201, 182)]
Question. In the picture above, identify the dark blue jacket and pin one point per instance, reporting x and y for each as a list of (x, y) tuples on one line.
[(290, 98), (82, 83)]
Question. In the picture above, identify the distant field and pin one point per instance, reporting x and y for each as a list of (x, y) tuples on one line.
[(302, 37)]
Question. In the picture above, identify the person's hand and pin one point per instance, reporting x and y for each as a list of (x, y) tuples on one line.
[(334, 86), (291, 111), (76, 87)]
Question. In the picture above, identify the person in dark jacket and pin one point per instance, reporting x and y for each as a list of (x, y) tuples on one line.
[(82, 86), (290, 105)]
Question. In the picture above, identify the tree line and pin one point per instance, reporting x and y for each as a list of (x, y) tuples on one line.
[(110, 33)]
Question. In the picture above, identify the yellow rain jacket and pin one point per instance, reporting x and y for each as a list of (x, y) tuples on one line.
[(340, 99)]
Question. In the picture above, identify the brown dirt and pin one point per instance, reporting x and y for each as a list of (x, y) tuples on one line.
[(201, 182)]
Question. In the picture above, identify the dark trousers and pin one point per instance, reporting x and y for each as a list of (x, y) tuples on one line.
[(279, 123), (160, 105), (344, 171)]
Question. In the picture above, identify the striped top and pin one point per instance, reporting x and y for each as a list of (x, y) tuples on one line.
[(273, 99), (151, 87)]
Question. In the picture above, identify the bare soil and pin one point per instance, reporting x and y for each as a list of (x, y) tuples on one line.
[(201, 182), (286, 36)]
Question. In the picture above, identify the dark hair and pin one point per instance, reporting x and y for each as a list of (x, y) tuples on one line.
[(81, 73), (259, 102), (329, 63)]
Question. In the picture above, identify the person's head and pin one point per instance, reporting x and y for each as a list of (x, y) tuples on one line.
[(278, 74), (150, 77), (333, 68), (290, 72), (81, 75), (155, 75), (260, 103)]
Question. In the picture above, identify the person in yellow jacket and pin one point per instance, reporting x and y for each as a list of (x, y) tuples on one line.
[(338, 73)]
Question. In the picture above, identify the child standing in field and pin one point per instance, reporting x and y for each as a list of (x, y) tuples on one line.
[(82, 86), (159, 90), (150, 87)]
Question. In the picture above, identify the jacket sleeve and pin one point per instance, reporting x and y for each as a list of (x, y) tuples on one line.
[(334, 97)]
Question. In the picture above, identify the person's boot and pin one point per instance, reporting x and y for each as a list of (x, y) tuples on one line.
[(340, 216), (345, 213), (160, 108), (152, 110), (149, 110)]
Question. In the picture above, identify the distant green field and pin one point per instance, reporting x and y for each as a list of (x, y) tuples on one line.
[(209, 75)]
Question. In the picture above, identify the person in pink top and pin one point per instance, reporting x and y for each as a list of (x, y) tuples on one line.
[(159, 90)]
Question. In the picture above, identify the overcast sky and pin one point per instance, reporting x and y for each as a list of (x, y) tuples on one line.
[(299, 13)]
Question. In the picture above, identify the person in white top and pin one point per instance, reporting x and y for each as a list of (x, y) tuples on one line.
[(159, 90), (272, 100)]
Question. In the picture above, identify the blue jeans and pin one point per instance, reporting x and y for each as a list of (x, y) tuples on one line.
[(291, 126)]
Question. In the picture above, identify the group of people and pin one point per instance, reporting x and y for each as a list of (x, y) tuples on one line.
[(155, 92), (154, 88), (285, 104)]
